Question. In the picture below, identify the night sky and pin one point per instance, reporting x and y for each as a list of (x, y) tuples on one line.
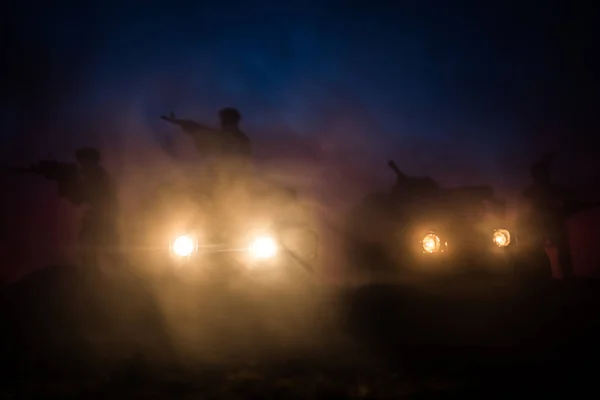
[(468, 94)]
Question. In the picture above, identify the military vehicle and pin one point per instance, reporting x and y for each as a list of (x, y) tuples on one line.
[(197, 229), (420, 228)]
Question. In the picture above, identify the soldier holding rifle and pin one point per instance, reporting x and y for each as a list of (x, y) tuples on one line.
[(85, 183)]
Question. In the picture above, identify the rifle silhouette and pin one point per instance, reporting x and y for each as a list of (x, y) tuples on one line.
[(413, 185), (49, 169), (399, 174), (185, 124), (64, 174), (206, 139)]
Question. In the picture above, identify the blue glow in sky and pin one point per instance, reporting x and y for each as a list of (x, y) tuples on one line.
[(470, 86)]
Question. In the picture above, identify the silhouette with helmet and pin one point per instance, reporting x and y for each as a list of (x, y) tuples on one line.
[(226, 150), (96, 192), (547, 207), (227, 142), (85, 183)]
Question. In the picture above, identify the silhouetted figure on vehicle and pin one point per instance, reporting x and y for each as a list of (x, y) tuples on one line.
[(547, 206), (238, 142), (227, 142), (226, 150)]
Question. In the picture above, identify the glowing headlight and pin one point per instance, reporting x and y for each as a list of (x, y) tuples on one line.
[(501, 237), (431, 243), (184, 246), (263, 247)]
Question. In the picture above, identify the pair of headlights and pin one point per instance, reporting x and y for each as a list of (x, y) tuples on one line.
[(261, 247), (432, 243)]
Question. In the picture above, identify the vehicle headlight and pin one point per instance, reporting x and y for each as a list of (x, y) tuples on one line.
[(501, 237), (263, 247), (431, 243), (184, 246)]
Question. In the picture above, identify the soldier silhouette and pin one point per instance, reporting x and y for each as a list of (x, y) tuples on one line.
[(85, 183), (237, 142), (547, 207), (226, 142), (227, 149), (227, 172), (95, 190)]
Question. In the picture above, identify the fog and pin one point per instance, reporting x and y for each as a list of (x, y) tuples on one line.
[(332, 170), (325, 107), (138, 303)]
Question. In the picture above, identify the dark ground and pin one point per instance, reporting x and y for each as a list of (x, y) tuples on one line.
[(463, 336)]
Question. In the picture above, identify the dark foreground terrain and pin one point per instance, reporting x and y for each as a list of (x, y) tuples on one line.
[(69, 335)]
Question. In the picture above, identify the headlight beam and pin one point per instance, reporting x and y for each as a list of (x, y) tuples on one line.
[(431, 243)]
